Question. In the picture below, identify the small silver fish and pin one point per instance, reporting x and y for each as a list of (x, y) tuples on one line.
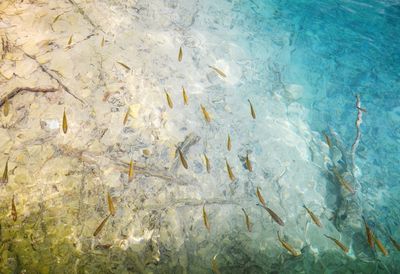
[(123, 65), (183, 160), (180, 54), (208, 167), (127, 115), (273, 215), (4, 180), (205, 219), (100, 227), (220, 72), (338, 243), (230, 172), (65, 123), (205, 113), (380, 246), (13, 210), (248, 163), (70, 41), (249, 225), (130, 173), (56, 18), (169, 100), (253, 113), (214, 265), (313, 217), (288, 247), (260, 197), (185, 98)]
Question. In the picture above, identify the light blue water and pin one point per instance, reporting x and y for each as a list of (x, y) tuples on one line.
[(348, 47), (339, 49)]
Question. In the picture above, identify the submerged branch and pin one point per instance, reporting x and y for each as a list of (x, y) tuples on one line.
[(358, 135), (16, 91), (190, 203), (45, 70), (85, 16)]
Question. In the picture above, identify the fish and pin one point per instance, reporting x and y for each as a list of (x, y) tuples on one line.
[(169, 100), (205, 113), (327, 140), (65, 123), (208, 167), (214, 266), (247, 220), (260, 197), (127, 115), (183, 160), (185, 98), (343, 181), (56, 18), (6, 107), (180, 54), (288, 247), (123, 65), (220, 72), (230, 172), (103, 246), (4, 180), (229, 144), (370, 235), (100, 227), (102, 42), (313, 217), (130, 173), (338, 243), (395, 244), (273, 215), (380, 246), (205, 219), (70, 40), (13, 210), (248, 163), (253, 113), (111, 207)]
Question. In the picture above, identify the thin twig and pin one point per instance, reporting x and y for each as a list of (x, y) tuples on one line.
[(85, 16), (16, 91), (45, 70)]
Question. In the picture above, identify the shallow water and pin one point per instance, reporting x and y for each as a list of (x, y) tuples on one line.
[(301, 65)]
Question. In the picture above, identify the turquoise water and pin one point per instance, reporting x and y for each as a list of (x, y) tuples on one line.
[(340, 49)]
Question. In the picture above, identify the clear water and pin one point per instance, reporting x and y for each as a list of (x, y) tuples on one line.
[(340, 49), (301, 63)]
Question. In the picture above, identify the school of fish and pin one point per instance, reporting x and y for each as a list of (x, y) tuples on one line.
[(371, 239)]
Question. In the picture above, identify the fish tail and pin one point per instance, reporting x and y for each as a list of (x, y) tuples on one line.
[(279, 236), (365, 221), (329, 237)]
